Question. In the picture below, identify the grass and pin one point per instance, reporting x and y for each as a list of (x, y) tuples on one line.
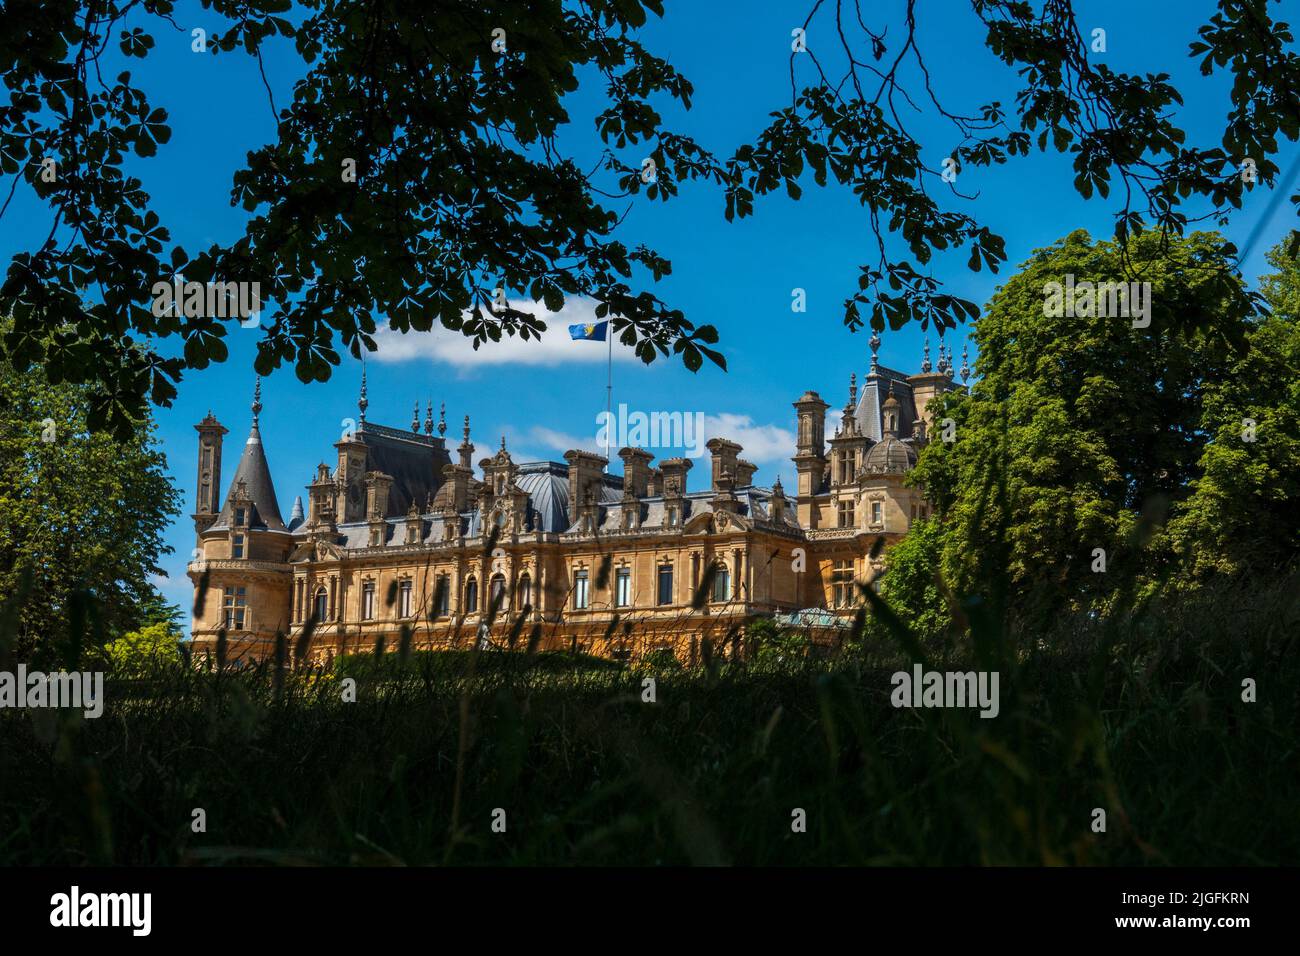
[(1140, 715)]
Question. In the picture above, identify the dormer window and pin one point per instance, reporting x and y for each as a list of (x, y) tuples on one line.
[(375, 538), (239, 517)]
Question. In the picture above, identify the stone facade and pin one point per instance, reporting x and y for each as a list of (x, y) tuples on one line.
[(400, 542)]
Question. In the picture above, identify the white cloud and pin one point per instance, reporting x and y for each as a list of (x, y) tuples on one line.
[(555, 347), (762, 443), (559, 441)]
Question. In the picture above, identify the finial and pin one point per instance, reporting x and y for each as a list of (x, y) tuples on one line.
[(415, 418), (853, 389), (874, 342), (442, 420), (428, 417), (503, 442), (965, 364), (257, 399), (363, 403), (466, 429), (925, 363), (776, 488)]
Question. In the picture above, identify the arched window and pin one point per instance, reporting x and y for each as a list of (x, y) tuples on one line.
[(497, 591), (524, 592), (721, 584), (471, 596), (322, 605), (442, 595)]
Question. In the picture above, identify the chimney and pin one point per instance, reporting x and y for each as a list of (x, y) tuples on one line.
[(458, 476), (674, 481), (745, 473), (724, 458), (636, 470), (377, 488), (586, 475)]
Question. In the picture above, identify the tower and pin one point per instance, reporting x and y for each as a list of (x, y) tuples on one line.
[(207, 502), (810, 457)]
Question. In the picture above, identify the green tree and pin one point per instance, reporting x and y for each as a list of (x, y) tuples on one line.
[(910, 585), (1081, 433), (81, 514), (145, 651), (1243, 515)]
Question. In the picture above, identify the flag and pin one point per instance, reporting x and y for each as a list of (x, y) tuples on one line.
[(595, 332)]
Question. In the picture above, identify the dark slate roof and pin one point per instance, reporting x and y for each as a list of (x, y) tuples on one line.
[(414, 462), (872, 397), (254, 472), (547, 484), (892, 456)]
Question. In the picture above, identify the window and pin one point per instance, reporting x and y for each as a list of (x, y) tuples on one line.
[(580, 596), (842, 584), (375, 537), (672, 516), (239, 517), (233, 605), (471, 596), (846, 514), (497, 591), (848, 466), (875, 512), (722, 583), (368, 601), (442, 596), (412, 534), (623, 587), (404, 598), (237, 546), (524, 592), (620, 654), (322, 605), (665, 595)]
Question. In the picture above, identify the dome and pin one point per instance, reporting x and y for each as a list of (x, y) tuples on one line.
[(891, 456)]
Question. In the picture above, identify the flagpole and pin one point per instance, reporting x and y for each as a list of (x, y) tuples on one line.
[(609, 388)]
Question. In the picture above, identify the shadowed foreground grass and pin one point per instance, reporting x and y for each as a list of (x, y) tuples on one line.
[(1142, 716)]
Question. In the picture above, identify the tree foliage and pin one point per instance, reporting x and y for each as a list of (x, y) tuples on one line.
[(912, 585), (462, 186), (81, 516), (1083, 436)]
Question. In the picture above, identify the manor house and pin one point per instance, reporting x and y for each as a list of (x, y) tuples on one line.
[(401, 542)]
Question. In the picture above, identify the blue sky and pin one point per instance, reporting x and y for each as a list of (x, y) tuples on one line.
[(737, 276)]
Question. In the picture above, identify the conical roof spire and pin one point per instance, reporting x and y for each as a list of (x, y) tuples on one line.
[(362, 402), (252, 478), (257, 399)]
